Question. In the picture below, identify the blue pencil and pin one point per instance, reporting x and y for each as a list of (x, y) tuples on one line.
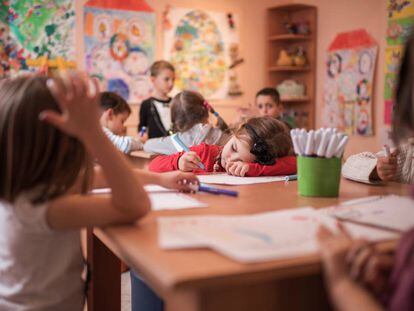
[(291, 177), (185, 148), (214, 190), (142, 131)]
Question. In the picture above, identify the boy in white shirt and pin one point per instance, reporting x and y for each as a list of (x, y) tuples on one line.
[(115, 111)]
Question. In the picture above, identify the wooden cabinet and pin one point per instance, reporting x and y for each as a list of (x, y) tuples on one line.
[(287, 31)]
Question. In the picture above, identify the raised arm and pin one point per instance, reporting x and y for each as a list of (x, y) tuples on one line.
[(79, 118)]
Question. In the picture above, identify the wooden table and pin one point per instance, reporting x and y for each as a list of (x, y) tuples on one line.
[(204, 280), (140, 159)]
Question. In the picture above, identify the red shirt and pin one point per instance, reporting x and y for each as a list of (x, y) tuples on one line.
[(209, 155)]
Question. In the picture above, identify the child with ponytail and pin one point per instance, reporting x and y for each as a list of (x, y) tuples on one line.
[(190, 121)]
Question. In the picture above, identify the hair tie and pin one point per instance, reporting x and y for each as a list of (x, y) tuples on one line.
[(260, 148), (221, 124), (210, 109)]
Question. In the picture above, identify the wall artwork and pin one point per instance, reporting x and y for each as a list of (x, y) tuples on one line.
[(203, 46), (348, 84), (36, 34), (120, 46), (399, 24)]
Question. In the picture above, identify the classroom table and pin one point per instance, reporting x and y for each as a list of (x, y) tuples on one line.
[(140, 158), (201, 279)]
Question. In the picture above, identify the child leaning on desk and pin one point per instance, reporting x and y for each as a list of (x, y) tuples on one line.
[(190, 121), (359, 277), (259, 147), (49, 132), (115, 111)]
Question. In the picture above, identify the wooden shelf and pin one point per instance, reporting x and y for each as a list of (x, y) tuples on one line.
[(279, 39), (289, 37), (288, 68), (290, 7), (295, 100)]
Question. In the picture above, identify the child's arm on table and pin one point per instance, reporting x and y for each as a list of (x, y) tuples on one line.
[(173, 180)]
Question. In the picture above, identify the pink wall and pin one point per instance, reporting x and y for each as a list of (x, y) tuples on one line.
[(333, 16), (338, 16)]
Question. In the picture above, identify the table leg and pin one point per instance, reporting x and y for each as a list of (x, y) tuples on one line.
[(105, 276)]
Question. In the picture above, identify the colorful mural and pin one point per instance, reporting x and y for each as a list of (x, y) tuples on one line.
[(198, 44), (120, 46), (32, 32), (348, 84)]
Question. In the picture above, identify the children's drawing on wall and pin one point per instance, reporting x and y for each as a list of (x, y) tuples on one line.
[(35, 34), (400, 23), (202, 45), (349, 82), (120, 46)]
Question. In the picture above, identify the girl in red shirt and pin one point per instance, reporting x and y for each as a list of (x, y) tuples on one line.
[(259, 147)]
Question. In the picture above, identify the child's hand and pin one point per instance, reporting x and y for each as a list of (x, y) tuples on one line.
[(386, 168), (370, 267), (237, 168), (189, 162), (334, 248), (178, 180), (78, 103), (143, 138)]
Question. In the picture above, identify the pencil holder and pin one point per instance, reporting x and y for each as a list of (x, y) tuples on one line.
[(319, 177)]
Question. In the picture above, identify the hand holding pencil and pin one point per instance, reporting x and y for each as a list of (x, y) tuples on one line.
[(189, 162)]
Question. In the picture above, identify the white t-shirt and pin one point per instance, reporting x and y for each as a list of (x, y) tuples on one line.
[(164, 112), (40, 269)]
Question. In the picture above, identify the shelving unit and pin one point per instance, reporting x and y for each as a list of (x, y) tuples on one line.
[(279, 38)]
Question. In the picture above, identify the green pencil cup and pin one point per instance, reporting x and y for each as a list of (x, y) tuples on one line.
[(318, 177)]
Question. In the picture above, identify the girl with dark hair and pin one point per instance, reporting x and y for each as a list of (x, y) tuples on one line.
[(260, 146), (190, 121)]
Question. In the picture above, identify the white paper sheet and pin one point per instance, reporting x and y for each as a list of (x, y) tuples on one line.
[(163, 198), (255, 238), (391, 211), (148, 188), (247, 238), (225, 179), (173, 201)]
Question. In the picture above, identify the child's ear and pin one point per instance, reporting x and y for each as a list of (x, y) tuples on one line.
[(110, 113), (280, 107)]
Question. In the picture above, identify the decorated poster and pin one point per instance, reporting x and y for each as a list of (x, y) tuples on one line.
[(120, 46), (202, 46), (399, 24), (348, 84), (36, 33)]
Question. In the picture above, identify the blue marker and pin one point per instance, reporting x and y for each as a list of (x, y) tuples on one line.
[(142, 131), (291, 177), (185, 148), (214, 190)]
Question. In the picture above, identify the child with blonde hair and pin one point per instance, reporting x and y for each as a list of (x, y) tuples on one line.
[(154, 113)]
